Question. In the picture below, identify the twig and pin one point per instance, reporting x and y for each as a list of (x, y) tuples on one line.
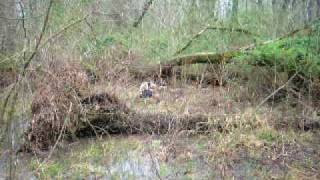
[(60, 135), (18, 19), (276, 91), (63, 30)]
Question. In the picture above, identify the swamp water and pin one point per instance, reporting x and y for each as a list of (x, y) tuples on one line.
[(148, 157), (121, 157)]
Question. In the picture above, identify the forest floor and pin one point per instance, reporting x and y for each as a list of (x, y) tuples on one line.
[(243, 139), (258, 148)]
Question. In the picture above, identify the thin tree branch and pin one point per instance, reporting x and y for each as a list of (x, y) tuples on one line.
[(196, 36), (276, 91), (44, 27), (63, 30), (24, 30), (60, 134), (17, 19)]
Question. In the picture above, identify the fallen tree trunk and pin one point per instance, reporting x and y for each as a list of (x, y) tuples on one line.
[(167, 68), (200, 58), (106, 115), (141, 123)]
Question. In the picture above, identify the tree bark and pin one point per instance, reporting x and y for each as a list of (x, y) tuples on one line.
[(275, 17), (7, 26), (285, 5), (293, 3), (260, 4), (145, 10), (308, 13), (235, 9), (318, 8)]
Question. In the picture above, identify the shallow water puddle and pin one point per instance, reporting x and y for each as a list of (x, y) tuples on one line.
[(133, 157), (136, 158), (148, 157)]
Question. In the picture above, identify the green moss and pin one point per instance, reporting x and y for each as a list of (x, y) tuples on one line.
[(54, 170), (267, 135), (156, 143), (163, 170), (48, 170), (299, 53)]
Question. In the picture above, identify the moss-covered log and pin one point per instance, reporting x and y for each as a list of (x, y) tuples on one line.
[(167, 68)]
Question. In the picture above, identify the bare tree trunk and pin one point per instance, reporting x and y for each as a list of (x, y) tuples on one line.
[(318, 8), (285, 5), (293, 3), (275, 17), (7, 26), (246, 6), (2, 25), (308, 13), (235, 8), (260, 4)]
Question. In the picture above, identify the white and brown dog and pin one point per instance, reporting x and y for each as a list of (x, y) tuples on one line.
[(148, 89)]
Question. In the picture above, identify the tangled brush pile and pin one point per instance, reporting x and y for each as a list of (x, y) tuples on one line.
[(64, 106), (56, 104)]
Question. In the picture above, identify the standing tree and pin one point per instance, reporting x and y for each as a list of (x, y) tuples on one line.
[(260, 4), (308, 13), (235, 7), (8, 23), (285, 4), (275, 16), (318, 8)]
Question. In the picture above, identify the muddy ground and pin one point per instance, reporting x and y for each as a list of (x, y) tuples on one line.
[(259, 147)]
